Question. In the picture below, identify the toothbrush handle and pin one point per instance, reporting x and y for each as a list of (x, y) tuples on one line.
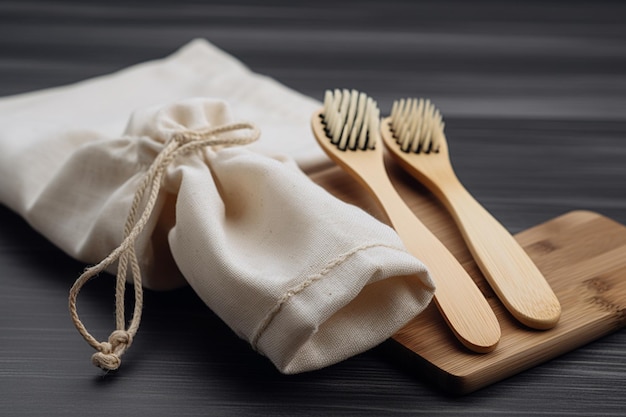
[(461, 303), (513, 276)]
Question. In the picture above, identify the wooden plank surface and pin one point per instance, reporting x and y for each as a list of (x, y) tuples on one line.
[(587, 274), (533, 96)]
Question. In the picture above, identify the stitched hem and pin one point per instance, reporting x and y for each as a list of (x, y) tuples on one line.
[(265, 323)]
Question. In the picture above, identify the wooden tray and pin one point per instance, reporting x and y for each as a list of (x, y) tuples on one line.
[(581, 253)]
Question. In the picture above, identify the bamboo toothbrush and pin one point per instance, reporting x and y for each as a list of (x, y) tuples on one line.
[(414, 136), (348, 129)]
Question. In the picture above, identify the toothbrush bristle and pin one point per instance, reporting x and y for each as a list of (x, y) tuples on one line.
[(351, 119), (417, 125)]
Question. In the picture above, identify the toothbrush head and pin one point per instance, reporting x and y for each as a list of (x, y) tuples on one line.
[(417, 126), (351, 119)]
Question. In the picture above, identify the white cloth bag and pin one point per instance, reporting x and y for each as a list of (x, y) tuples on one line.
[(305, 278)]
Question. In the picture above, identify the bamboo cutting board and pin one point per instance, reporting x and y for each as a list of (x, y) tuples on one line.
[(582, 255)]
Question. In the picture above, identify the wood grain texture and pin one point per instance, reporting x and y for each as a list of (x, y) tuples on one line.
[(590, 284), (533, 96)]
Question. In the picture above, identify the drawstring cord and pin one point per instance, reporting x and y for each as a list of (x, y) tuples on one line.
[(108, 355)]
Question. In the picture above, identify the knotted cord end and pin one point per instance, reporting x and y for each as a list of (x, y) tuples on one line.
[(109, 355)]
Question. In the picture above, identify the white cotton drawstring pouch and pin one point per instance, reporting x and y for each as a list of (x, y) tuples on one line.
[(189, 170)]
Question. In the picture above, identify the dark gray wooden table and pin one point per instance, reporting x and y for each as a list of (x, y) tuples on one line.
[(534, 95)]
